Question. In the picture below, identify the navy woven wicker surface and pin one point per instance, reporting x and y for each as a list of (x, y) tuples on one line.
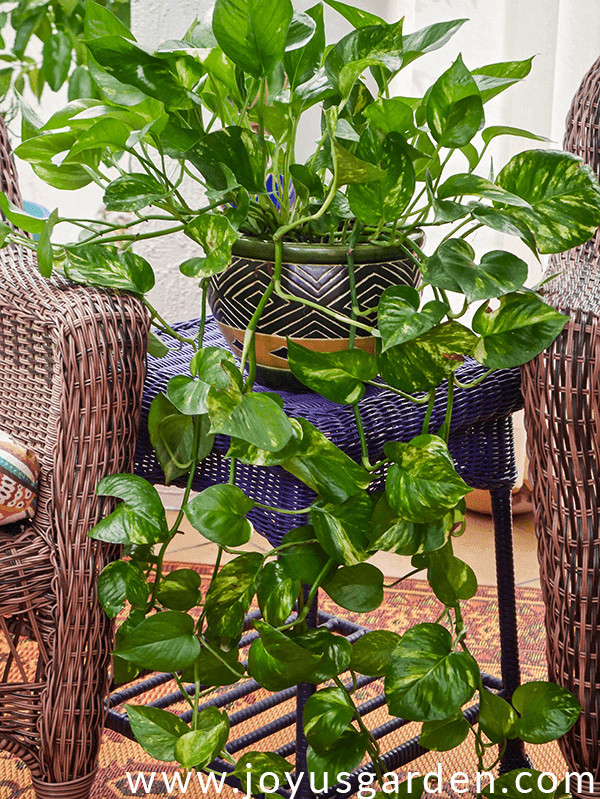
[(481, 444), (481, 440)]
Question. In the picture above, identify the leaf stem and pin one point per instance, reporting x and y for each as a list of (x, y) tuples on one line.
[(404, 577), (473, 383), (309, 599), (373, 745), (176, 523), (427, 419), (444, 430), (387, 387), (272, 509)]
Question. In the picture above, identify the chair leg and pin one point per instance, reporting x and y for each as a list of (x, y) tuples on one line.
[(515, 755), (77, 789), (73, 710)]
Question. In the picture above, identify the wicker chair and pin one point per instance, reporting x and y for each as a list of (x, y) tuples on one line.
[(562, 413), (72, 367)]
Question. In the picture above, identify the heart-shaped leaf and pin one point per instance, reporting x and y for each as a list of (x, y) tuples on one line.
[(563, 195), (426, 680), (248, 453), (392, 533), (132, 192), (180, 589), (162, 642), (133, 66), (198, 747), (451, 578), (385, 197), (100, 265), (257, 766), (216, 236), (172, 436), (325, 468), (239, 150), (277, 593), (368, 45), (422, 483), (254, 418), (423, 362), (326, 717), (342, 530), (454, 107), (276, 662), (371, 653), (546, 710), (219, 513), (337, 376), (496, 717), (139, 520), (399, 318), (190, 396), (305, 561), (335, 652), (253, 34), (453, 267), (358, 588), (445, 734), (518, 330), (121, 581), (344, 757), (156, 730), (391, 114)]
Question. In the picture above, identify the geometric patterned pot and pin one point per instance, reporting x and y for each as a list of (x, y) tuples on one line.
[(315, 272)]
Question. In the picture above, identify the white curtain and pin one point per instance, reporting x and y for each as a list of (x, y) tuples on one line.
[(564, 35)]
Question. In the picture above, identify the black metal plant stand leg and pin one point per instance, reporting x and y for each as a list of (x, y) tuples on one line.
[(304, 692), (515, 755)]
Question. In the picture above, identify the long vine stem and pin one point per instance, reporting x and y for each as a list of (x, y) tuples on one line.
[(175, 526)]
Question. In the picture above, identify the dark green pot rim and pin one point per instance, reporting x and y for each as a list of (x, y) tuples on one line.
[(319, 253)]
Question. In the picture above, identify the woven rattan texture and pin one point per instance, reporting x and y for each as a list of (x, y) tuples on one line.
[(577, 281), (72, 367), (480, 441), (562, 407)]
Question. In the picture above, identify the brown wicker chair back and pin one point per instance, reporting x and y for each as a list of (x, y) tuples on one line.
[(562, 413), (72, 367)]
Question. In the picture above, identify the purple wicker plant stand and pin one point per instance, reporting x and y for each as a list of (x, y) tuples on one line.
[(481, 444)]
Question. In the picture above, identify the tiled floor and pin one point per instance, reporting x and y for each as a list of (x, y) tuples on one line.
[(475, 546)]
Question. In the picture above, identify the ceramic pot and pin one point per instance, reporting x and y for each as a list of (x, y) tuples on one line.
[(315, 272)]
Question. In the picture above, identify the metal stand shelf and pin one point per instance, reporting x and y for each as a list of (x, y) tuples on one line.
[(481, 444)]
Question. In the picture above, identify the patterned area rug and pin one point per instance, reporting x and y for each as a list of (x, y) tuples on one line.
[(410, 603)]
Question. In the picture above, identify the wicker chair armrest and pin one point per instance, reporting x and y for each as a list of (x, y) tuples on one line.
[(72, 367)]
